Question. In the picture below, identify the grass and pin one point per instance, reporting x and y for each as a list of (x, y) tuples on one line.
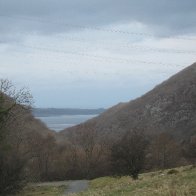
[(172, 182), (46, 190), (182, 182)]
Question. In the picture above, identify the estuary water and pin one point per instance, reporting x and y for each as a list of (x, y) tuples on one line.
[(58, 123)]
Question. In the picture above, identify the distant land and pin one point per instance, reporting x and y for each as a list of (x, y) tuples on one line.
[(47, 112)]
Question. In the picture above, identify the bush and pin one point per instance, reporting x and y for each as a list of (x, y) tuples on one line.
[(172, 171), (128, 155)]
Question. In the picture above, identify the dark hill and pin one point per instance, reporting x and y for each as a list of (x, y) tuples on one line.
[(170, 106)]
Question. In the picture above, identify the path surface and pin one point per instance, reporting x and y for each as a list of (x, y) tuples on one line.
[(76, 186), (57, 183)]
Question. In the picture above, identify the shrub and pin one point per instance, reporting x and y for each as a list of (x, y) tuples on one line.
[(172, 171)]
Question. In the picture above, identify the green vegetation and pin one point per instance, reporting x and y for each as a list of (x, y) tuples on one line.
[(181, 183), (43, 190)]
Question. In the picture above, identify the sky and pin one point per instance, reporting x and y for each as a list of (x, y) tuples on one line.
[(94, 53)]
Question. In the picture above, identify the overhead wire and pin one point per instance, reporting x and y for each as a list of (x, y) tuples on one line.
[(96, 28), (116, 46), (108, 58), (112, 72)]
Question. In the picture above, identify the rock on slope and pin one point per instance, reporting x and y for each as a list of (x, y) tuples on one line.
[(170, 106)]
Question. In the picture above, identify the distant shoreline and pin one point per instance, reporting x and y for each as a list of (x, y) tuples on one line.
[(47, 112)]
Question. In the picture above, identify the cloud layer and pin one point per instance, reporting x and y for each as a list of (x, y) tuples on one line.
[(72, 51), (164, 17)]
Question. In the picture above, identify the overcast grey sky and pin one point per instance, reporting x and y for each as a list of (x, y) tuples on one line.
[(94, 53)]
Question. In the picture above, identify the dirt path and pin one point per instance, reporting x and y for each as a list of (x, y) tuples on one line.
[(57, 183), (76, 186), (73, 186)]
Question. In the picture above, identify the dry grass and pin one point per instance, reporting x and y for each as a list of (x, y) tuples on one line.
[(161, 183), (182, 182), (46, 190)]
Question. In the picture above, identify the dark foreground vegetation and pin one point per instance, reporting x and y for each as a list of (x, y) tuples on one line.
[(29, 152)]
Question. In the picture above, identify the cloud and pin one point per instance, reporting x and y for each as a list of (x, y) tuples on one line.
[(164, 17), (44, 45)]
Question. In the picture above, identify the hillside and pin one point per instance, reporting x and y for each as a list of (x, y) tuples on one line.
[(170, 106), (35, 125), (23, 120), (22, 139)]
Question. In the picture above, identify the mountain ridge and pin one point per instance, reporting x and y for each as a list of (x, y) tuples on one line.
[(169, 107)]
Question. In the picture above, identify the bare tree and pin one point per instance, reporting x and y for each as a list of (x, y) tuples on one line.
[(90, 150), (189, 150), (128, 154), (11, 162), (41, 155), (86, 141), (164, 152)]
